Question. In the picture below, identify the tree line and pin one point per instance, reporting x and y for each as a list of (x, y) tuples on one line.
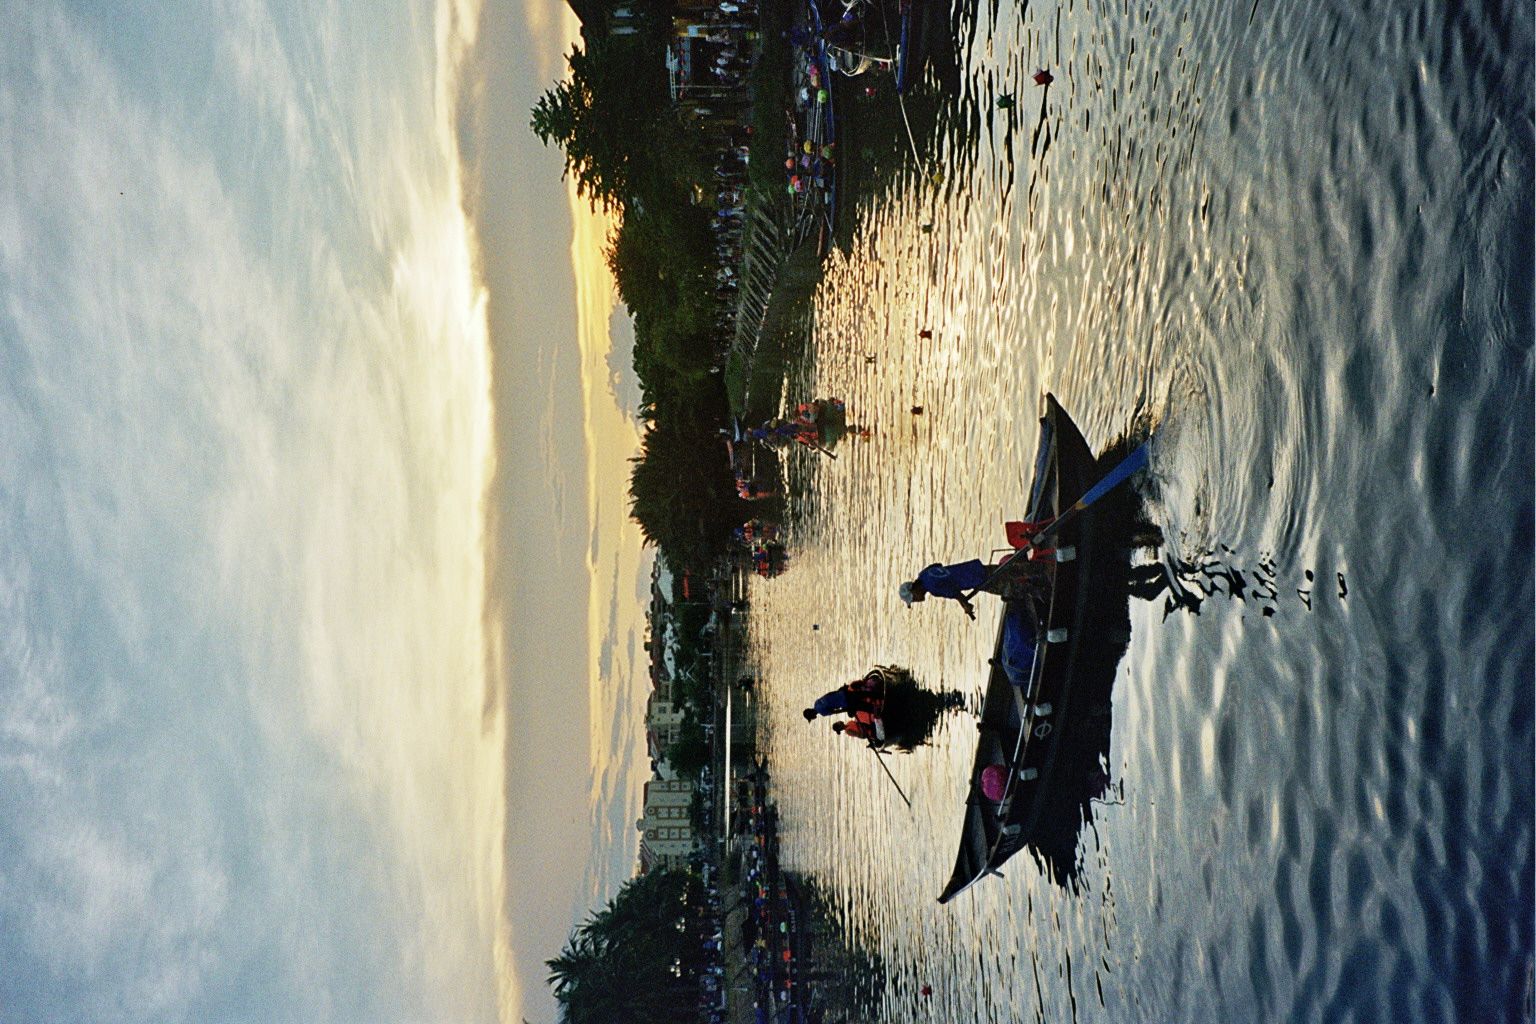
[(636, 961), (632, 151)]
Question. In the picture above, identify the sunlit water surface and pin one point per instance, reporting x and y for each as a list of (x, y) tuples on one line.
[(1298, 240)]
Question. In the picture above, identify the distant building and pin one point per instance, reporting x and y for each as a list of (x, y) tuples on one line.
[(599, 19), (623, 21), (663, 725), (666, 832)]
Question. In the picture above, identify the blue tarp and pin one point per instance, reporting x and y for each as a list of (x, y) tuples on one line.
[(1019, 636)]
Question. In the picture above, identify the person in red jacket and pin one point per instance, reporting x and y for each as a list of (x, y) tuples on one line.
[(863, 694), (856, 729)]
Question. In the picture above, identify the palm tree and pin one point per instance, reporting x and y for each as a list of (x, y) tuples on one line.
[(634, 960)]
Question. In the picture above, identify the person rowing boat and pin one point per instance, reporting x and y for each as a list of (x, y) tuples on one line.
[(859, 696), (1014, 576)]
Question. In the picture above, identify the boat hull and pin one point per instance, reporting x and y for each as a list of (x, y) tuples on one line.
[(1046, 735)]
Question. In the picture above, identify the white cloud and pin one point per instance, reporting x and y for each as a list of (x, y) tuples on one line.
[(252, 55), (242, 682)]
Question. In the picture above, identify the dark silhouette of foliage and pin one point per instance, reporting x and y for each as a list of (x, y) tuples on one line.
[(636, 961), (661, 261), (682, 492), (690, 751), (614, 119), (629, 151)]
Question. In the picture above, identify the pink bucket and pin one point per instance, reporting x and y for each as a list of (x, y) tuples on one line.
[(994, 781)]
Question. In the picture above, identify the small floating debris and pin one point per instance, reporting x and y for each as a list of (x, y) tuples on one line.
[(1044, 77), (1005, 101), (925, 333)]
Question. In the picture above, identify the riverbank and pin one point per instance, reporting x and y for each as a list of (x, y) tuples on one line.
[(880, 136), (784, 957)]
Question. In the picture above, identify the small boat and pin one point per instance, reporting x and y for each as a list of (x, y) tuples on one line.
[(906, 713), (820, 424), (885, 35), (1044, 722)]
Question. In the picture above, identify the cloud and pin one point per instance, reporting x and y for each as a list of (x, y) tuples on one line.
[(244, 755), (553, 27), (251, 54)]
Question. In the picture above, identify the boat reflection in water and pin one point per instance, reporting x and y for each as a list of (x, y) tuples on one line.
[(1045, 726)]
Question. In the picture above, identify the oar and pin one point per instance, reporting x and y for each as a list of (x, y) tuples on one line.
[(881, 758), (1115, 477)]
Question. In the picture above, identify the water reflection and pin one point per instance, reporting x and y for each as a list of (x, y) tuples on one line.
[(1320, 811), (1185, 584)]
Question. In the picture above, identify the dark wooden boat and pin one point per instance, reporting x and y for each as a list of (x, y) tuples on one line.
[(907, 711), (1045, 731)]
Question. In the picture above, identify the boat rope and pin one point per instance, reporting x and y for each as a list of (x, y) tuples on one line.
[(901, 104)]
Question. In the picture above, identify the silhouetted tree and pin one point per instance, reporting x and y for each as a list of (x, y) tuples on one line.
[(690, 751), (635, 961), (682, 492), (615, 121)]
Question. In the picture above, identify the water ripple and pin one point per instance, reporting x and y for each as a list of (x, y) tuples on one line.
[(1298, 239)]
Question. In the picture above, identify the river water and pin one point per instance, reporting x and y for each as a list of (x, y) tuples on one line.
[(1296, 239)]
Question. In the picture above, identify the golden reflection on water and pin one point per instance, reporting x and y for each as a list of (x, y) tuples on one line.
[(967, 299)]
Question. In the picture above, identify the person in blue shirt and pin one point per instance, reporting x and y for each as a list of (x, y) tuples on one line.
[(960, 580), (828, 704), (850, 698), (951, 581)]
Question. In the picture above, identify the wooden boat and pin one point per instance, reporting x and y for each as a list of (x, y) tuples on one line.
[(890, 36), (906, 712), (1044, 732)]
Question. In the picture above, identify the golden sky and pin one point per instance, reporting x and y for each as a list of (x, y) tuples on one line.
[(612, 438), (569, 579)]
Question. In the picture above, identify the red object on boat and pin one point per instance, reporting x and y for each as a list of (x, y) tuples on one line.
[(994, 781), (1044, 77)]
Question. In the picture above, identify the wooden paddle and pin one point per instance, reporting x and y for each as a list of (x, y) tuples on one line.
[(1114, 478)]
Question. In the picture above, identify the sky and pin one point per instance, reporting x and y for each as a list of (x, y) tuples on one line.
[(321, 619)]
